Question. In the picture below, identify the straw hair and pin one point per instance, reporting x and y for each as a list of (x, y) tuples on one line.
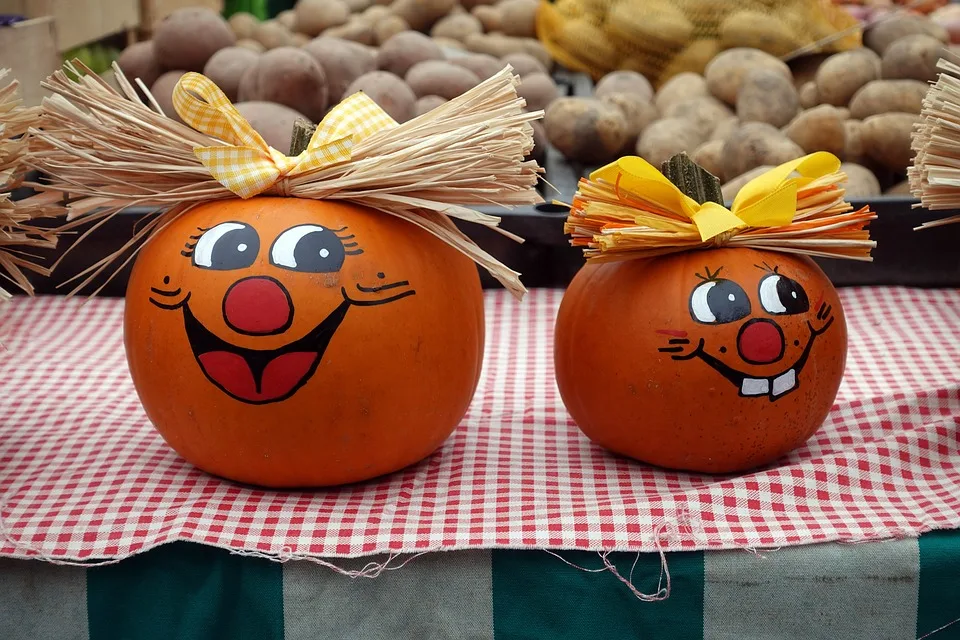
[(111, 151), (604, 223), (17, 236), (935, 173)]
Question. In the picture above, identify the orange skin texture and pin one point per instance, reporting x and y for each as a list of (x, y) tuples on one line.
[(672, 408), (394, 380)]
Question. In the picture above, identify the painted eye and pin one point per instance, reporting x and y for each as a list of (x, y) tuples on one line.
[(779, 295), (718, 302), (309, 248), (229, 245)]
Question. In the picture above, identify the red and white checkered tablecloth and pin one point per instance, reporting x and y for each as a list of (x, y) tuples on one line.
[(83, 475)]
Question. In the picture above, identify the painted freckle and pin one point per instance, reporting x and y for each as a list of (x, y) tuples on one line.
[(166, 279)]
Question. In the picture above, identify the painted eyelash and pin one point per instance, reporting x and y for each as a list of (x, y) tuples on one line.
[(710, 276), (768, 268), (354, 253)]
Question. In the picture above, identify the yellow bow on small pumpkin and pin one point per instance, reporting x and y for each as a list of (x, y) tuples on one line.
[(248, 165), (769, 200)]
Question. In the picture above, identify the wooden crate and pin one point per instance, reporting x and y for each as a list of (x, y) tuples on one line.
[(80, 22), (153, 11), (29, 49)]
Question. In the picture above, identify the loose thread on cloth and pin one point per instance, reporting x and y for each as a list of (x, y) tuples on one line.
[(939, 629)]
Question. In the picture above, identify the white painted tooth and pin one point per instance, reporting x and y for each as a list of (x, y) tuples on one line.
[(785, 382), (755, 386)]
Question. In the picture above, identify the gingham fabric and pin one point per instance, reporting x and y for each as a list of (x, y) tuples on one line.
[(249, 166), (83, 474)]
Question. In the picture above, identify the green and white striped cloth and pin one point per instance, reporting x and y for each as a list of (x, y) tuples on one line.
[(899, 589)]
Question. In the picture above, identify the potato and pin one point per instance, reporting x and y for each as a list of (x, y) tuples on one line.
[(290, 77), (489, 17), (733, 186), (535, 48), (804, 68), (187, 38), (694, 58), (375, 13), (809, 95), (756, 30), (539, 90), (882, 35), (358, 6), (581, 38), (656, 25), (252, 45), (493, 44), (300, 39), (709, 155), (853, 141), (523, 64), (886, 139), (702, 114), (314, 16), (440, 78), (725, 128), (402, 51), (139, 60), (387, 90), (451, 48), (243, 25), (272, 35), (456, 27), (638, 112), (766, 96), (585, 129), (518, 17), (912, 58), (861, 183), (899, 189), (355, 30), (274, 122), (483, 65), (227, 67), (725, 73), (388, 27), (681, 88), (663, 139), (342, 61), (422, 14), (427, 103), (162, 91), (624, 82), (755, 144), (819, 129), (884, 96), (287, 18), (842, 74)]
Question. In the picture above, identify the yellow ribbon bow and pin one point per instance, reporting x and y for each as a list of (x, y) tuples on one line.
[(769, 200), (248, 165)]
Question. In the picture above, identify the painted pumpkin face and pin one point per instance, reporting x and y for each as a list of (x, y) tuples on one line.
[(288, 342), (711, 361)]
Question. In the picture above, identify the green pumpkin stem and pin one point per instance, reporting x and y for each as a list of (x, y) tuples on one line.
[(302, 132), (692, 179)]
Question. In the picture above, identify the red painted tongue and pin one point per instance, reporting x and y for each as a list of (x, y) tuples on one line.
[(279, 378)]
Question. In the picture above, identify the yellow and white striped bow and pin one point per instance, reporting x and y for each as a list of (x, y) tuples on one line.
[(248, 165)]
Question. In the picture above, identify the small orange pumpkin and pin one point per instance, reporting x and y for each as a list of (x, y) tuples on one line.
[(711, 361), (290, 342)]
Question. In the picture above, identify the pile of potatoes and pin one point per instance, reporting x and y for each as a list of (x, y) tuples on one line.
[(409, 56), (750, 111)]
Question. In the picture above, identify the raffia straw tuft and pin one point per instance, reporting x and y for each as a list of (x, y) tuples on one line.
[(606, 226), (110, 150), (935, 173), (17, 236)]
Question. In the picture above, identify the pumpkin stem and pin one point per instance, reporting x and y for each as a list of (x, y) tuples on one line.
[(692, 179), (302, 132)]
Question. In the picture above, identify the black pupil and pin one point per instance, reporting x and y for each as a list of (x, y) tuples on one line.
[(236, 249), (728, 301), (319, 252), (792, 296)]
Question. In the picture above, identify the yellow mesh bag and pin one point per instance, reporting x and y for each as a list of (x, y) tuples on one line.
[(661, 38)]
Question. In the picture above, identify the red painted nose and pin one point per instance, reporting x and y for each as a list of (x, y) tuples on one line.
[(257, 306), (760, 342)]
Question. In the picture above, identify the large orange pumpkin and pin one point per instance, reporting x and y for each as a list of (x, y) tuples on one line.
[(289, 342), (711, 361)]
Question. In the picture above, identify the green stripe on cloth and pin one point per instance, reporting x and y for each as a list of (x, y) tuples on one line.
[(438, 595), (939, 602), (186, 591), (824, 591), (536, 595), (42, 600)]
